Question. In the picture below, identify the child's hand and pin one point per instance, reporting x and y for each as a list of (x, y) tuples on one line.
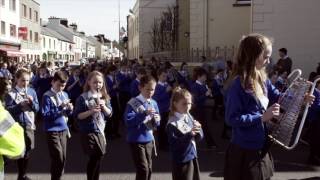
[(196, 124), (95, 109), (272, 111), (150, 111), (169, 88), (156, 117), (309, 98), (70, 106)]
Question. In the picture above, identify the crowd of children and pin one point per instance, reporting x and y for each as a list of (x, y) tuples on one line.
[(153, 96)]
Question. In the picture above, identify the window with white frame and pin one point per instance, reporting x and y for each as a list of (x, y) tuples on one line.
[(36, 16), (24, 10), (3, 2), (30, 13), (13, 30), (36, 37), (44, 42), (12, 5), (3, 28), (30, 32)]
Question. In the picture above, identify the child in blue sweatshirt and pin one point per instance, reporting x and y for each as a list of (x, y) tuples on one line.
[(92, 109), (134, 87), (183, 131), (22, 103), (162, 96), (250, 104), (56, 107), (141, 118), (200, 92)]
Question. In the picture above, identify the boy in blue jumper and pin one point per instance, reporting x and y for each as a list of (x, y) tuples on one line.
[(162, 96), (56, 107), (182, 132), (22, 103), (141, 118), (134, 87)]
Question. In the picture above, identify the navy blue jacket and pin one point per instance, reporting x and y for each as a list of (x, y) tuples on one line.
[(110, 84), (198, 92), (134, 88), (124, 82), (314, 110), (76, 91), (54, 116), (181, 146), (244, 113), (137, 131), (162, 97)]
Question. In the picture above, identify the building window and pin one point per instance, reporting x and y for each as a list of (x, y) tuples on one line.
[(30, 36), (36, 16), (44, 42), (13, 30), (3, 2), (30, 13), (54, 44), (36, 37), (3, 28), (242, 3), (49, 43), (24, 10), (12, 5)]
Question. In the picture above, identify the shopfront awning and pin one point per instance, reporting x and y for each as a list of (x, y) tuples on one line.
[(12, 52)]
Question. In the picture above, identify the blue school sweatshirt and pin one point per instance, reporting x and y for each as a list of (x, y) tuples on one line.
[(137, 131), (53, 115), (244, 113), (162, 97)]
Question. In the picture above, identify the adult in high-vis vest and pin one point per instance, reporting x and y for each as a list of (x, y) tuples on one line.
[(11, 134)]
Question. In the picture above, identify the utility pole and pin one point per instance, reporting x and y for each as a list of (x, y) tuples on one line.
[(119, 28)]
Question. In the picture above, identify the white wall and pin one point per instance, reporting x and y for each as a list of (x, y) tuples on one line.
[(10, 17), (293, 24)]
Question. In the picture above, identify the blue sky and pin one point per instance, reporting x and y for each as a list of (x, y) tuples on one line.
[(92, 16)]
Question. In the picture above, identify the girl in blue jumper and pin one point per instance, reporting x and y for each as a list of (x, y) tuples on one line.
[(162, 96), (247, 98), (56, 107), (182, 131), (141, 118), (22, 103), (91, 110)]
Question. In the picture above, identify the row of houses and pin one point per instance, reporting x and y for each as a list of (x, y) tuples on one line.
[(24, 36), (214, 27)]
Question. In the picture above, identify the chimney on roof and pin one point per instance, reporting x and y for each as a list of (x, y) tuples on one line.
[(74, 27), (64, 22)]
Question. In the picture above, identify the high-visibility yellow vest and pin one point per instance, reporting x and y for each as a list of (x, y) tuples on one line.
[(12, 143)]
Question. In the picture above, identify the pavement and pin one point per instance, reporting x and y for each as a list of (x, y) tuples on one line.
[(117, 163)]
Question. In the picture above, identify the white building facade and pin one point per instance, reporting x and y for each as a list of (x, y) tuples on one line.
[(9, 25), (30, 29), (140, 25), (294, 25)]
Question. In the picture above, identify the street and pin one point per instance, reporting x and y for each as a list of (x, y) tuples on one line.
[(117, 163)]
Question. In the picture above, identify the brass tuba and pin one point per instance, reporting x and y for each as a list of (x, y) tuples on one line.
[(286, 129)]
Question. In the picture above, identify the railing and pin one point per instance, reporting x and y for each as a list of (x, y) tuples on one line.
[(195, 54)]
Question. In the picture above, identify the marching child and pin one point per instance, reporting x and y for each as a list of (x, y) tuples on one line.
[(182, 131), (56, 107), (22, 103), (141, 117), (92, 109), (162, 96), (134, 87)]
